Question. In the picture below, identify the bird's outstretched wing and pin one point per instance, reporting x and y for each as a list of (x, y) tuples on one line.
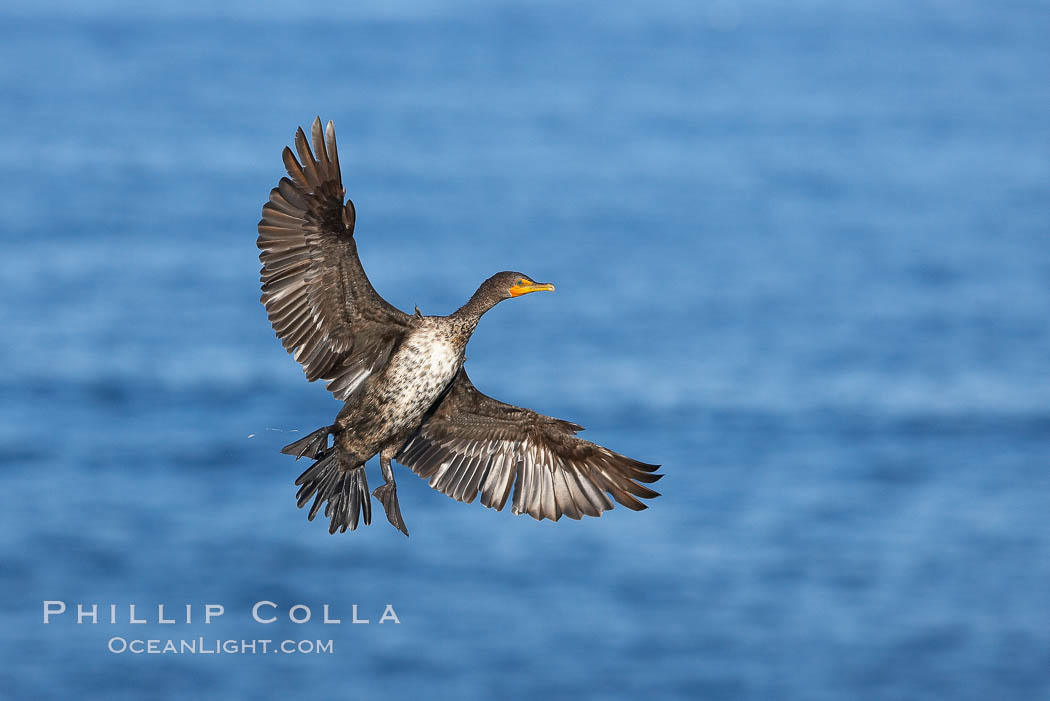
[(317, 296), (470, 444)]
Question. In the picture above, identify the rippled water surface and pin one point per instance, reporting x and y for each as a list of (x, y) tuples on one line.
[(802, 260)]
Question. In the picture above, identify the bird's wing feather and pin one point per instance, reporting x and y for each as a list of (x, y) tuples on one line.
[(317, 296), (471, 444)]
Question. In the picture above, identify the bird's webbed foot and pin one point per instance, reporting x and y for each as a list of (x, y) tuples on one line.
[(387, 495), (312, 446)]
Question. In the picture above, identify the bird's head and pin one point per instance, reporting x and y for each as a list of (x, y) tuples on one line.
[(511, 284), (499, 287)]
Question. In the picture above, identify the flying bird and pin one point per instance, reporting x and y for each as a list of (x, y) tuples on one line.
[(406, 394)]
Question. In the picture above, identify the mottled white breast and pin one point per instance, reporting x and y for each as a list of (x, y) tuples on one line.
[(419, 371)]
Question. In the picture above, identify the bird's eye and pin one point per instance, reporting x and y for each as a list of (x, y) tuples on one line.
[(522, 282)]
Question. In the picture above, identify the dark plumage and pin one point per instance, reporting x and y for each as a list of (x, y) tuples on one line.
[(407, 396)]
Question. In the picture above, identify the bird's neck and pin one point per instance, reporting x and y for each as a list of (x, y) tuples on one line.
[(470, 313)]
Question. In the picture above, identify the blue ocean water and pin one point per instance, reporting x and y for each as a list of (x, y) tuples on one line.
[(802, 260)]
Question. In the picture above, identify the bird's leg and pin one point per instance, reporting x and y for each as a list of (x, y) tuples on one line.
[(387, 493)]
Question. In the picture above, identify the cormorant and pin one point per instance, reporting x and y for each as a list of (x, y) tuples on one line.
[(407, 396)]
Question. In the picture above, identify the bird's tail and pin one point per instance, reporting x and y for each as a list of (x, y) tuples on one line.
[(336, 479)]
